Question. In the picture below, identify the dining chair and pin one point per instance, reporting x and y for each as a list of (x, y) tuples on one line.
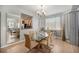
[(29, 43), (50, 37), (50, 40)]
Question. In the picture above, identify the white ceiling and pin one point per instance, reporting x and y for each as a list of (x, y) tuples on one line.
[(50, 9)]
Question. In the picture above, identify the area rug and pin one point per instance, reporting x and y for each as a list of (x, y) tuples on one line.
[(45, 49)]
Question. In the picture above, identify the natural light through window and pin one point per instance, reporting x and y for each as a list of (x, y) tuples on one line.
[(53, 23)]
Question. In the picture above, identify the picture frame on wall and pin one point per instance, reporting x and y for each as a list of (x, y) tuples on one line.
[(26, 21)]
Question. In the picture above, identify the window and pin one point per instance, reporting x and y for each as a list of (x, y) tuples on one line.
[(53, 23)]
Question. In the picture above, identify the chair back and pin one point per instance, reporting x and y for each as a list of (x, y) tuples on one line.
[(50, 37), (27, 41)]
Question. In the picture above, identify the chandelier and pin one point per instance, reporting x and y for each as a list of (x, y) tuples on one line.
[(41, 11)]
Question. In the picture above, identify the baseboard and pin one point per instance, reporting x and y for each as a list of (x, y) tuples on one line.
[(12, 44)]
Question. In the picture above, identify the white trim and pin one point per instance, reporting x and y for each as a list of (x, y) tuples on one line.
[(12, 44)]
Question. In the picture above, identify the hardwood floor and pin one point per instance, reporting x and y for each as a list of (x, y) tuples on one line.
[(59, 47), (64, 47)]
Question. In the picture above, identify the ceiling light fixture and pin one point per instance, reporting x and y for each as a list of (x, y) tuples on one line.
[(41, 11)]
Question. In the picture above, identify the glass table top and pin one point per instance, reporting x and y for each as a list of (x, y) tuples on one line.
[(39, 36)]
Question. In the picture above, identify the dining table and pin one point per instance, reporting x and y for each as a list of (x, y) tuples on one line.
[(39, 37)]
